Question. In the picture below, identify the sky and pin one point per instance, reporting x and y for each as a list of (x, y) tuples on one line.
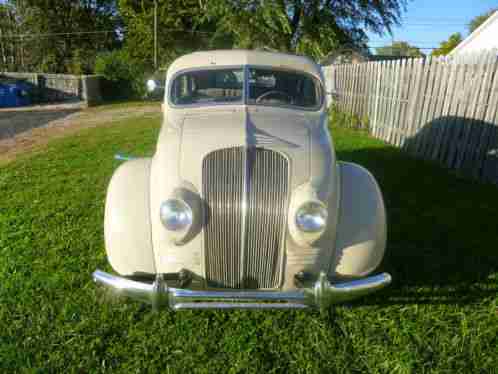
[(426, 23)]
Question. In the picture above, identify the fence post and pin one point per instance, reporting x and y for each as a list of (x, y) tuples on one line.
[(377, 97)]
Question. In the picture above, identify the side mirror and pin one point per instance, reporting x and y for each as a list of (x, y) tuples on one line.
[(333, 94)]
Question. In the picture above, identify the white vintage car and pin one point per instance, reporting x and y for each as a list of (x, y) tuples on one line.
[(244, 204)]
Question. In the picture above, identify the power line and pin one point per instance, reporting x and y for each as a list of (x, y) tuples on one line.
[(438, 20), (75, 33), (435, 23), (97, 32), (121, 31), (34, 36), (412, 46), (419, 43), (431, 25)]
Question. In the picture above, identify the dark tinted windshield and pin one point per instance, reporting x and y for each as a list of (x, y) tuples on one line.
[(278, 87), (208, 86)]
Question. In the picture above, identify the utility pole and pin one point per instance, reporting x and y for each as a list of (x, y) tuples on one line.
[(155, 34)]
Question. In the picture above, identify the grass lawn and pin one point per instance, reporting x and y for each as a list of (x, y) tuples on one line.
[(440, 315)]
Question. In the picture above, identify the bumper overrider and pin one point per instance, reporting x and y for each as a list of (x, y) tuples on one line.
[(321, 294)]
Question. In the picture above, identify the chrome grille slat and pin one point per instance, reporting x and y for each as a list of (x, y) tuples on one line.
[(245, 252), (223, 191)]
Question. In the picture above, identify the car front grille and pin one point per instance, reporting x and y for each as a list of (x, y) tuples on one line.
[(246, 192)]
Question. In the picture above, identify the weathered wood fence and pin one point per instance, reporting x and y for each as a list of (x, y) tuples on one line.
[(434, 108)]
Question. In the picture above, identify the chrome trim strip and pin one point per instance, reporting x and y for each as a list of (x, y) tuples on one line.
[(215, 305), (238, 295), (245, 192), (322, 294)]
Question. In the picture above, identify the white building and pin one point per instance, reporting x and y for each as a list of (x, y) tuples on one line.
[(484, 38)]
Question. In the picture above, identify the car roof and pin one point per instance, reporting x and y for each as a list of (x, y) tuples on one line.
[(241, 57)]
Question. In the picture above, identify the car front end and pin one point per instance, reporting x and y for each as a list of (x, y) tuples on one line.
[(243, 204)]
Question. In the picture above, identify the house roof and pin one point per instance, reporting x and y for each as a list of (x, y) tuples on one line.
[(491, 20)]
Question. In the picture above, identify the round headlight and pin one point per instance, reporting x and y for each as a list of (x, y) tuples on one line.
[(175, 215), (312, 217)]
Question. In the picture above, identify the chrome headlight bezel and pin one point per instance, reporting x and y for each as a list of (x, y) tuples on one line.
[(311, 217), (176, 215)]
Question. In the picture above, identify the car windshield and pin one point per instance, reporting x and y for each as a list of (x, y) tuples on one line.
[(208, 86), (265, 86), (280, 87)]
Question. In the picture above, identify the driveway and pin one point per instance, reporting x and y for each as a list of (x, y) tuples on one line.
[(22, 129)]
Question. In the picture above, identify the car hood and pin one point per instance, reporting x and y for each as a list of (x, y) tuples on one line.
[(281, 131)]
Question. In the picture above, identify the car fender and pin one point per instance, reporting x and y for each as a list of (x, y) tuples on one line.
[(127, 225), (361, 230)]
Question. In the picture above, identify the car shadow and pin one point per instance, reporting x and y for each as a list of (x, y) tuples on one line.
[(442, 237)]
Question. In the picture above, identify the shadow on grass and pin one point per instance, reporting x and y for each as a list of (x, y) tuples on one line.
[(442, 237), (470, 146)]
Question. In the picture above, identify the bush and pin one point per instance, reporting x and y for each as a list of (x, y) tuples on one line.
[(340, 118), (124, 77)]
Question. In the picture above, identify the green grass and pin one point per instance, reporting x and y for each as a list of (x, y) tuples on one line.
[(440, 315)]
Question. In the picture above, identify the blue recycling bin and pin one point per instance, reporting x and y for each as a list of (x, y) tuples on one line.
[(14, 95)]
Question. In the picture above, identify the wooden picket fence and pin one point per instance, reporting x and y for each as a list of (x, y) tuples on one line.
[(434, 108)]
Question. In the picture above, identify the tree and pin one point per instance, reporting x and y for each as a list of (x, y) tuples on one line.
[(181, 29), (479, 20), (308, 27), (58, 37), (448, 45), (401, 49), (8, 55)]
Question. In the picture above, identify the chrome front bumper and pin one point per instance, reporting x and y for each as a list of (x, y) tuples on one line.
[(321, 295)]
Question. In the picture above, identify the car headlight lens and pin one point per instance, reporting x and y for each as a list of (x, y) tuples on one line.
[(312, 217), (176, 215)]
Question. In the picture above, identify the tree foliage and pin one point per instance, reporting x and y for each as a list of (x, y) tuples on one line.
[(400, 49), (448, 45), (124, 77), (181, 29), (9, 54), (304, 26), (82, 36), (54, 36), (479, 20)]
